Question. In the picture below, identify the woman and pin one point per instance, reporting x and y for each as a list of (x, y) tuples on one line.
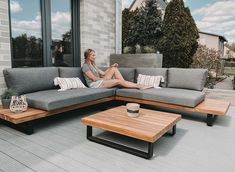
[(96, 78)]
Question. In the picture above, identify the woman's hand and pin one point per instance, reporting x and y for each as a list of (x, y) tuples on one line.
[(115, 65)]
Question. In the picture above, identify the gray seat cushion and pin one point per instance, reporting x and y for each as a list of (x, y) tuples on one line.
[(153, 72), (194, 79), (53, 99), (28, 80), (70, 72), (183, 97)]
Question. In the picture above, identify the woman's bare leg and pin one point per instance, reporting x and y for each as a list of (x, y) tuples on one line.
[(113, 72), (115, 82)]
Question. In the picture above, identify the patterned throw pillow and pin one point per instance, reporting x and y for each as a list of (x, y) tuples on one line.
[(148, 80), (68, 83)]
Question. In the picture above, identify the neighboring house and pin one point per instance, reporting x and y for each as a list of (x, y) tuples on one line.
[(138, 3), (228, 53), (34, 35), (213, 41)]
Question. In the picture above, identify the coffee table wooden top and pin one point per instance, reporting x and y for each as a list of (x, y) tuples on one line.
[(149, 126)]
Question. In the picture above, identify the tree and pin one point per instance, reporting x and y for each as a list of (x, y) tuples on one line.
[(193, 30), (206, 58), (142, 26), (127, 26), (149, 24), (20, 46), (179, 36)]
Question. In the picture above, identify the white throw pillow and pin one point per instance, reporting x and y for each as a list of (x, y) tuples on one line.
[(148, 80), (68, 83)]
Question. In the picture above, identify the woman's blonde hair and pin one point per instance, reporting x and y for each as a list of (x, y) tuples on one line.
[(87, 52)]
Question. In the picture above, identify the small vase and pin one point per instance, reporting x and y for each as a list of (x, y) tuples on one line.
[(18, 104), (6, 103)]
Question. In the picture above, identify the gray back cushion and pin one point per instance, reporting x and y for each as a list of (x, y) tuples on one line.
[(153, 72), (193, 79), (127, 73), (27, 80), (71, 72)]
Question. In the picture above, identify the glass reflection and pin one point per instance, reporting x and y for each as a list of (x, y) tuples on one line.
[(26, 33), (61, 33)]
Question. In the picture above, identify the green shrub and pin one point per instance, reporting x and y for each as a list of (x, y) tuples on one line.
[(148, 49), (128, 50), (8, 93)]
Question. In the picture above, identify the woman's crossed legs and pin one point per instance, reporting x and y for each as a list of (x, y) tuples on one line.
[(119, 80)]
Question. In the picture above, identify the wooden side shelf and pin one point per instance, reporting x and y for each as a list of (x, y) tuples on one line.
[(17, 118), (208, 106), (213, 106)]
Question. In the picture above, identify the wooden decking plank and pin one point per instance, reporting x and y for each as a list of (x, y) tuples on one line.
[(10, 164), (75, 146), (28, 159), (45, 153)]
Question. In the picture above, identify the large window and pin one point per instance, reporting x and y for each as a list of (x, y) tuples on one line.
[(26, 33), (42, 32)]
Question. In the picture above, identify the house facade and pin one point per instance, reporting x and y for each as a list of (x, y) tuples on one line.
[(228, 53), (44, 33), (138, 3), (213, 41)]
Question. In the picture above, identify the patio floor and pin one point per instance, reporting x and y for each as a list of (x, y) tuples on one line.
[(59, 144)]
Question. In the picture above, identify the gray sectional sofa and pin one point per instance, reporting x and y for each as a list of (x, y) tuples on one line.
[(182, 88)]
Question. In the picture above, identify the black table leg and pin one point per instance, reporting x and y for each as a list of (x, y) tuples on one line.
[(146, 155), (210, 119), (173, 130)]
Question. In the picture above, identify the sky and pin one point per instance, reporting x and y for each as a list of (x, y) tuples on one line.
[(213, 16), (26, 17)]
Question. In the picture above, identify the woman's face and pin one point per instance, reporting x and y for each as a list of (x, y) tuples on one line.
[(92, 56)]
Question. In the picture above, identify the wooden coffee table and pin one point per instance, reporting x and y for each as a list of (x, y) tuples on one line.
[(149, 127)]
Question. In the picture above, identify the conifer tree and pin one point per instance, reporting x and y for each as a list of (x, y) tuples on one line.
[(142, 26), (147, 24), (128, 24), (179, 36)]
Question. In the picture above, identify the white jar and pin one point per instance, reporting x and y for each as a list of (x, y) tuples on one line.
[(133, 109)]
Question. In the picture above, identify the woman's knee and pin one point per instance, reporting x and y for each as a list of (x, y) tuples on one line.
[(114, 68)]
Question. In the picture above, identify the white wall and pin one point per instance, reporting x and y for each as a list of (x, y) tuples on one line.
[(209, 40), (98, 28), (212, 42)]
